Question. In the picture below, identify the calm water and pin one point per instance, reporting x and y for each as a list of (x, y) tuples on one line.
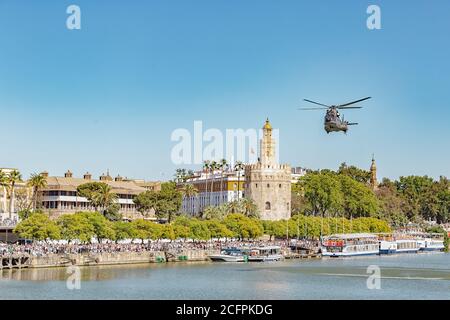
[(415, 276)]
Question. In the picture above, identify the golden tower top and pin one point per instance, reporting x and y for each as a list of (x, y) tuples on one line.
[(267, 125)]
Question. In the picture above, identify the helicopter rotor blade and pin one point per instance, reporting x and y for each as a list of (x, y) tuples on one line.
[(356, 101), (312, 108), (318, 103), (348, 108)]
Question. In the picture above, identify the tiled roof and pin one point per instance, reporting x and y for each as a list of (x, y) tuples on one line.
[(71, 184)]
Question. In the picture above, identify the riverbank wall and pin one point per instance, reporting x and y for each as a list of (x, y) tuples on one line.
[(118, 258)]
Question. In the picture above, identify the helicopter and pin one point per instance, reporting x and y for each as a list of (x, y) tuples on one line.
[(333, 121)]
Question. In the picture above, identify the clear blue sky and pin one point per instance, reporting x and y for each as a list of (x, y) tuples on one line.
[(109, 95)]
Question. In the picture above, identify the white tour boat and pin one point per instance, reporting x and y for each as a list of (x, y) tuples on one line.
[(407, 245), (230, 255), (348, 245), (398, 243), (432, 242), (267, 253)]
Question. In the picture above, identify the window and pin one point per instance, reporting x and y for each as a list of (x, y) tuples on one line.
[(279, 185), (267, 205), (268, 185), (287, 206)]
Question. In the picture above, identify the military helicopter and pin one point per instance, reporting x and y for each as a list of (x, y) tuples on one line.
[(333, 122)]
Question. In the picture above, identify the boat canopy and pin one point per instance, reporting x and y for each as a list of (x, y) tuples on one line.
[(346, 236), (268, 248)]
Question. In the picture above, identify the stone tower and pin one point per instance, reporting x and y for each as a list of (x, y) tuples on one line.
[(268, 183), (373, 174)]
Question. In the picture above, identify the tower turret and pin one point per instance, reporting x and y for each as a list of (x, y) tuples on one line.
[(267, 148), (373, 174)]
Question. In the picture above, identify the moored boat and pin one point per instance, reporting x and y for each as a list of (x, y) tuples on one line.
[(230, 255), (267, 253), (407, 245), (432, 242), (352, 244)]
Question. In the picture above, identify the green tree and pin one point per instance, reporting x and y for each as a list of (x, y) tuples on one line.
[(76, 226), (206, 170), (145, 229), (218, 212), (249, 207), (213, 166), (182, 227), (390, 204), (146, 201), (355, 173), (243, 227), (13, 178), (38, 226), (169, 201), (199, 230), (223, 166), (167, 232), (112, 212), (123, 230), (358, 198), (416, 193), (322, 191), (218, 229), (100, 195), (36, 182), (103, 228), (3, 179), (188, 190)]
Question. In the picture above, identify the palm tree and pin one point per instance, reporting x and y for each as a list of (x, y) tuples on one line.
[(104, 197), (218, 212), (235, 207), (36, 181), (223, 165), (238, 167), (189, 191), (13, 178), (249, 207), (213, 166), (3, 180), (206, 166)]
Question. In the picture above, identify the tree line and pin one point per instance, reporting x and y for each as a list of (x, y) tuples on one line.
[(347, 193), (84, 226)]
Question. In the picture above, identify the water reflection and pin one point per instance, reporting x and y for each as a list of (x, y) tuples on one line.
[(403, 277), (91, 273)]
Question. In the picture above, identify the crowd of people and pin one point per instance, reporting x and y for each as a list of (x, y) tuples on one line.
[(47, 248)]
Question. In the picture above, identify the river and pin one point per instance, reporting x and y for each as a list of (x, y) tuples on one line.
[(408, 276)]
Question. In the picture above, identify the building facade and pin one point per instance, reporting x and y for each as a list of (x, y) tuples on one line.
[(60, 196), (213, 190), (268, 183)]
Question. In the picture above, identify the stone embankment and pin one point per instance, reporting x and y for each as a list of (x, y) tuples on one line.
[(118, 258)]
